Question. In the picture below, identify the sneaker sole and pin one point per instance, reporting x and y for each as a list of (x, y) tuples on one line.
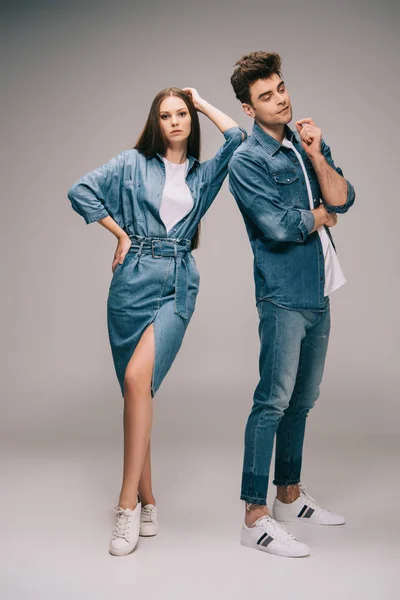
[(122, 553), (307, 521), (148, 534), (249, 544)]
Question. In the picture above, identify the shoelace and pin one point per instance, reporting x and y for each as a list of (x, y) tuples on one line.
[(279, 532), (122, 523), (147, 515), (311, 502)]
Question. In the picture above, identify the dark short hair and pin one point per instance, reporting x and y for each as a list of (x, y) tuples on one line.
[(250, 68)]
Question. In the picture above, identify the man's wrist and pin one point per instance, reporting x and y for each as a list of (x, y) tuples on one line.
[(316, 159)]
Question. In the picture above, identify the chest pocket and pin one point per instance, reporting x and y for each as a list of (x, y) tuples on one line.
[(288, 185)]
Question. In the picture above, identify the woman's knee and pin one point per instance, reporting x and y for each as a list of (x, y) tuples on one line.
[(137, 382)]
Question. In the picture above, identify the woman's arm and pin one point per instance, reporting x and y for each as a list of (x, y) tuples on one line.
[(96, 197), (124, 241), (220, 119)]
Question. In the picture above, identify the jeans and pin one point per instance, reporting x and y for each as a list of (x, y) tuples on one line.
[(292, 358)]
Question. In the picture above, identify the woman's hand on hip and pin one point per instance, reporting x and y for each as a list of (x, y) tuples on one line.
[(124, 243)]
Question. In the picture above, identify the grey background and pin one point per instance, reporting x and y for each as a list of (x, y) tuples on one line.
[(77, 83)]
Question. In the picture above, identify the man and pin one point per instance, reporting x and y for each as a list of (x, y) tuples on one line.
[(289, 192)]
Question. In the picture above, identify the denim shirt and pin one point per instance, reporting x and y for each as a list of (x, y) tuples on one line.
[(269, 187), (129, 189)]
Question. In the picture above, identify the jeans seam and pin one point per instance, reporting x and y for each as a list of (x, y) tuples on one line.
[(272, 380), (292, 406)]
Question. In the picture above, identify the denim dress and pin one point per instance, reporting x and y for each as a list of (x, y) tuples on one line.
[(158, 281)]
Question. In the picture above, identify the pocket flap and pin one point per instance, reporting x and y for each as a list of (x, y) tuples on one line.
[(286, 177)]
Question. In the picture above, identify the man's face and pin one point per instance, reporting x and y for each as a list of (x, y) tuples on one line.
[(270, 102)]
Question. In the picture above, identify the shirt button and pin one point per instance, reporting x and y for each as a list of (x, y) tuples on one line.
[(321, 278)]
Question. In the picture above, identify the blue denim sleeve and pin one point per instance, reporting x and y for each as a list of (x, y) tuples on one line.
[(96, 195), (326, 151), (257, 196), (215, 170)]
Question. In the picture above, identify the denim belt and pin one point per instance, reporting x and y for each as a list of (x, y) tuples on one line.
[(164, 247)]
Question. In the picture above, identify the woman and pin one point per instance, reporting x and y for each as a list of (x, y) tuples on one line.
[(152, 199)]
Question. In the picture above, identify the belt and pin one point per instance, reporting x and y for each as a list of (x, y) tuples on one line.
[(165, 247)]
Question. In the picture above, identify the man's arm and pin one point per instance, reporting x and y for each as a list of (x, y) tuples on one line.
[(338, 194), (257, 196)]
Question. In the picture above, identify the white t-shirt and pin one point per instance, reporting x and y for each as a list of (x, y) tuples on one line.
[(334, 277), (176, 200)]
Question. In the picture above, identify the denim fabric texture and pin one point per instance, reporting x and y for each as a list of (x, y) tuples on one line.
[(292, 359), (268, 183), (158, 281), (269, 187)]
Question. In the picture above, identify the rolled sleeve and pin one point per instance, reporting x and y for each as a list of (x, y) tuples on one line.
[(96, 195), (306, 223), (235, 131), (351, 195), (95, 216)]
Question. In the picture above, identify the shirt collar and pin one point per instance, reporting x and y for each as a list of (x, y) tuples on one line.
[(270, 144)]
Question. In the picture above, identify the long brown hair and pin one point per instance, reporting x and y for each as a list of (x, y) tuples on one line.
[(152, 141)]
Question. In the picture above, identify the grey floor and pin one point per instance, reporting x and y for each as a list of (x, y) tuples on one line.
[(57, 517)]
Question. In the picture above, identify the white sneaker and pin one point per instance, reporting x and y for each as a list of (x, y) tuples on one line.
[(305, 509), (148, 521), (269, 536), (125, 534)]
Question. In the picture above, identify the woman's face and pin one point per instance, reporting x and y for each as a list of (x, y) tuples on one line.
[(175, 121)]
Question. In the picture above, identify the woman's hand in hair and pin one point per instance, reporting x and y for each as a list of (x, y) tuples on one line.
[(220, 119), (195, 97)]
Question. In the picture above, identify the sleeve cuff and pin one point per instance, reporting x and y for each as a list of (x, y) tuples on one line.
[(233, 131), (99, 214), (344, 207), (306, 224)]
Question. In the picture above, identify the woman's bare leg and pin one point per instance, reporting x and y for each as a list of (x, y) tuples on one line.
[(145, 488), (138, 414)]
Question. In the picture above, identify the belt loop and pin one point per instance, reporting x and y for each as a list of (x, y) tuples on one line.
[(176, 249), (140, 249)]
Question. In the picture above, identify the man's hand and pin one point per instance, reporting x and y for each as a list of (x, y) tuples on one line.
[(310, 136), (332, 220), (322, 217)]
